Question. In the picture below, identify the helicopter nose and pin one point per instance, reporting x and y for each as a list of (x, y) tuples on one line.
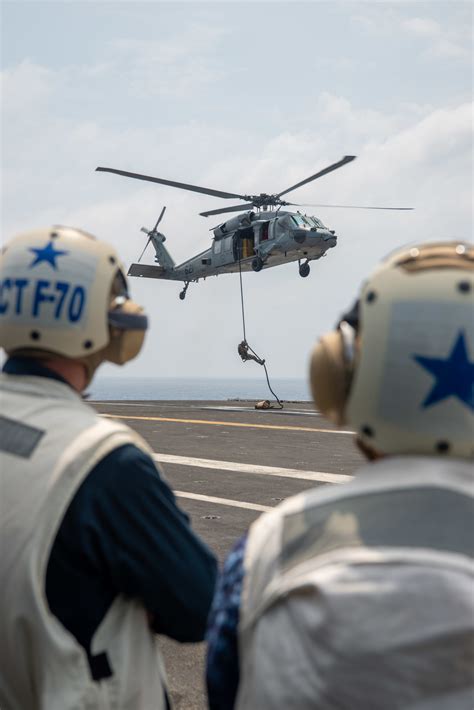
[(330, 238), (325, 234)]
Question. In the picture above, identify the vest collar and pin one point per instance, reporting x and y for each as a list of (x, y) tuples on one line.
[(17, 365), (32, 377)]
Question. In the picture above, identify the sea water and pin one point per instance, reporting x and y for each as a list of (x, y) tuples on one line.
[(138, 388)]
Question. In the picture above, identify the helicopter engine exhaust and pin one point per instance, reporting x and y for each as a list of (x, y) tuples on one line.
[(241, 220)]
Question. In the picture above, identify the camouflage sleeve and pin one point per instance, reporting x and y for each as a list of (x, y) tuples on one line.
[(222, 668)]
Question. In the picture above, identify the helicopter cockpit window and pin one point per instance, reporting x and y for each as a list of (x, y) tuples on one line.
[(298, 219), (317, 222)]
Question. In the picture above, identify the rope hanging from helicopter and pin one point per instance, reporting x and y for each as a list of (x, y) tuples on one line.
[(244, 349)]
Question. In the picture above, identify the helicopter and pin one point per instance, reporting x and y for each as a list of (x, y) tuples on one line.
[(260, 237)]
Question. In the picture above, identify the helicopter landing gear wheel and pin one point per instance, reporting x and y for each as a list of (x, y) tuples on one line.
[(257, 264), (304, 270), (182, 294)]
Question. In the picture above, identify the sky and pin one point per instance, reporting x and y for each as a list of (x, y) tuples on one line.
[(244, 97)]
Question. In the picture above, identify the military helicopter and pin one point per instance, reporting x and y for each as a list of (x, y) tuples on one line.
[(261, 237)]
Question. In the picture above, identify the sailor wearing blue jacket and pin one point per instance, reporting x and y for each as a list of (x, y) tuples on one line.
[(97, 558), (361, 595)]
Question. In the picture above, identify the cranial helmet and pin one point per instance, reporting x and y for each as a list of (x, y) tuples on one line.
[(62, 292), (400, 366)]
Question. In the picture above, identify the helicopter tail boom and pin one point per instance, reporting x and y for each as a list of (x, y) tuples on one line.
[(150, 271), (162, 255), (166, 268)]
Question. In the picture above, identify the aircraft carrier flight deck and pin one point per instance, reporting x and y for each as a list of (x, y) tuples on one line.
[(227, 462)]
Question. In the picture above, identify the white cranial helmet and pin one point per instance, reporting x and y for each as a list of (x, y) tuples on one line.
[(63, 292), (400, 367)]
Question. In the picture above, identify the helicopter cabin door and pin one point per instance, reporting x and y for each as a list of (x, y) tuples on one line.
[(244, 243)]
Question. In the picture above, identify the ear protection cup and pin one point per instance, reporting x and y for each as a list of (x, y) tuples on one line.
[(331, 374), (128, 325), (399, 367)]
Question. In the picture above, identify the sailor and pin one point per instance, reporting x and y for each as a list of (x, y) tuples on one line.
[(96, 557), (361, 595)]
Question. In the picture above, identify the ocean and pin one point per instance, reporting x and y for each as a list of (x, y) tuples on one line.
[(123, 388)]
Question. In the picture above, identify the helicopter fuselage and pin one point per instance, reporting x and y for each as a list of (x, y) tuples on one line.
[(249, 241)]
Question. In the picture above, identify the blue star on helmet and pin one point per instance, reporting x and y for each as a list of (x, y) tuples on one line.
[(454, 375), (48, 254)]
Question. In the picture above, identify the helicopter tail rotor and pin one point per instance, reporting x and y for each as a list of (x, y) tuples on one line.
[(150, 233), (148, 241)]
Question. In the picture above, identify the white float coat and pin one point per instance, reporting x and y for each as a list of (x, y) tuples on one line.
[(361, 595), (54, 441)]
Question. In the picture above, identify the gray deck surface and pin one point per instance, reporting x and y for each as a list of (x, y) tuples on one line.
[(296, 437)]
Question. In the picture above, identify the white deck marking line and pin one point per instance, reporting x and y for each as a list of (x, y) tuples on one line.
[(223, 501), (210, 422), (115, 403), (259, 412), (320, 476), (217, 407)]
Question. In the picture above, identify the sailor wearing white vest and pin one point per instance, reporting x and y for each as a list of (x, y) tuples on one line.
[(96, 557), (362, 595)]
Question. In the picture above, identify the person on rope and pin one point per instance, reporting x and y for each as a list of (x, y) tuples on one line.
[(243, 350), (97, 558), (361, 595)]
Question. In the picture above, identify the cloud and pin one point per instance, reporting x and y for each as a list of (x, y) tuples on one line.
[(438, 40), (444, 43), (446, 48), (424, 27), (196, 39), (338, 111), (178, 66), (61, 124), (26, 86)]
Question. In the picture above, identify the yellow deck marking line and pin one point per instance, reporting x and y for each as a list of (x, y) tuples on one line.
[(235, 424), (223, 501)]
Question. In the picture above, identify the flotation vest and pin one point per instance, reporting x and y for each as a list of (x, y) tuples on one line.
[(362, 595), (49, 441)]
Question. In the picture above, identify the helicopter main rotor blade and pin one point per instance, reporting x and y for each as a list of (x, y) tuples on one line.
[(172, 183), (359, 207), (329, 169), (235, 208)]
